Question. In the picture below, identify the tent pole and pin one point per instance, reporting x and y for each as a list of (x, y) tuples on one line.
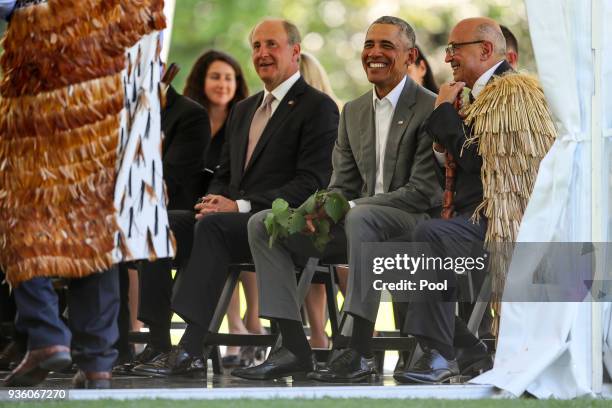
[(169, 6), (597, 199)]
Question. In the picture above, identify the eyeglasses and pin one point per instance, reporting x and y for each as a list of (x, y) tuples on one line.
[(452, 47)]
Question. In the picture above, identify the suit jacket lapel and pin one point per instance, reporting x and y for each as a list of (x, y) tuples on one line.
[(171, 98), (244, 137), (401, 118), (368, 142), (286, 105), (502, 69)]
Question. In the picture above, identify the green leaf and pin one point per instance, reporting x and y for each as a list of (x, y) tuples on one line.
[(279, 206), (320, 241), (273, 236), (282, 218), (308, 206), (322, 227), (297, 222), (269, 222), (334, 207)]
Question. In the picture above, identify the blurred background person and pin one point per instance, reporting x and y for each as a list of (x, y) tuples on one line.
[(216, 82), (421, 73), (315, 75), (512, 50)]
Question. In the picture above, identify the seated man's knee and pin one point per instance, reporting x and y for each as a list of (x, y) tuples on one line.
[(207, 225), (426, 231), (357, 215), (256, 226)]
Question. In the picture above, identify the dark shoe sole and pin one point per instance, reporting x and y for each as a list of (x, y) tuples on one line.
[(411, 380), (478, 367), (352, 380), (38, 374), (295, 376), (142, 373)]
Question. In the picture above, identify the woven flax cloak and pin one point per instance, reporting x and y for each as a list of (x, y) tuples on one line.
[(514, 130), (80, 166)]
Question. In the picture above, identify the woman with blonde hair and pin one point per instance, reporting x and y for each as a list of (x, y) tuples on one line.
[(314, 74)]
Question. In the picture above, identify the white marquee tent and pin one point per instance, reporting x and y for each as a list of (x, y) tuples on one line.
[(560, 349)]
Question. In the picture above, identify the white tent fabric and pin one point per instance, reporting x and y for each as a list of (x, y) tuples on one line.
[(545, 348)]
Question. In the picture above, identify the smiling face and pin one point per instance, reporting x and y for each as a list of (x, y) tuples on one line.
[(469, 61), (220, 83), (386, 57), (275, 60)]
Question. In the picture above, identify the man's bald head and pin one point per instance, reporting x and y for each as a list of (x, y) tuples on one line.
[(483, 46), (483, 28)]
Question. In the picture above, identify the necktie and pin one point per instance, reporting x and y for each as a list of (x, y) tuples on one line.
[(260, 119)]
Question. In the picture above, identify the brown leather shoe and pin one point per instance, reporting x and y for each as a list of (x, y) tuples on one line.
[(92, 379), (36, 364)]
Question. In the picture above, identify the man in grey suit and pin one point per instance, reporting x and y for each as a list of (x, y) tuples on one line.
[(382, 164)]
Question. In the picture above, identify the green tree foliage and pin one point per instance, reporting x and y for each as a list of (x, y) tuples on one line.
[(333, 30)]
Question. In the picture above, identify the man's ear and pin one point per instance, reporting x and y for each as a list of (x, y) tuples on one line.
[(487, 50), (412, 56), (297, 50), (512, 58)]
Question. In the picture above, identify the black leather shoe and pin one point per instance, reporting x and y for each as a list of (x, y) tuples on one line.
[(148, 355), (176, 362), (403, 361), (431, 368), (280, 363), (474, 360), (347, 366)]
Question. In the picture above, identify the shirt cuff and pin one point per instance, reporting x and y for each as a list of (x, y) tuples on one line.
[(352, 203), (244, 206), (440, 157)]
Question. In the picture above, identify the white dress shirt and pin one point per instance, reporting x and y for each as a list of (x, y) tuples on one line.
[(383, 114), (479, 85), (244, 206)]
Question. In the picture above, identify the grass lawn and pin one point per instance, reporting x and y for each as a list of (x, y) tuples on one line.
[(321, 403)]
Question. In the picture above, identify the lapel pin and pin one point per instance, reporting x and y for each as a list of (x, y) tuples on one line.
[(291, 102), (401, 122)]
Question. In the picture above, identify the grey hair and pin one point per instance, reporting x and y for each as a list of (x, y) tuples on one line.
[(293, 34), (494, 34), (405, 29)]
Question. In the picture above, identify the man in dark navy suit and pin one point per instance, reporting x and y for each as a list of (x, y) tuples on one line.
[(279, 145), (476, 52)]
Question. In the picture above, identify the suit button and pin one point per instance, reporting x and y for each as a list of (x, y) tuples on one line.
[(242, 192)]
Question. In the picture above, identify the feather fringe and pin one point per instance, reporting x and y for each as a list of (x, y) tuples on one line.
[(70, 42), (60, 106), (513, 127)]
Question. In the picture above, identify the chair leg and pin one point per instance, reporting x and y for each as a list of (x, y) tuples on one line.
[(215, 355), (332, 306), (480, 306)]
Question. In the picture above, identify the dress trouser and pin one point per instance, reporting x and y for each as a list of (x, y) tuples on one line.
[(155, 280), (93, 306), (219, 240), (434, 317), (275, 266)]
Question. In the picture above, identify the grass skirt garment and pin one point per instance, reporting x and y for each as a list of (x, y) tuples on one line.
[(81, 184)]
